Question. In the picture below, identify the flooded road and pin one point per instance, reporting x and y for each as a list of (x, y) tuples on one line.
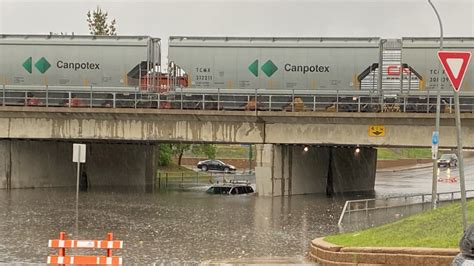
[(166, 227), (189, 226)]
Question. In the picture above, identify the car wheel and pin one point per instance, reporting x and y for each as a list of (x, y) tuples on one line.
[(226, 169), (204, 167)]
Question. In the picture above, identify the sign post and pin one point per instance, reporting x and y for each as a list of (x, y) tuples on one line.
[(78, 156), (455, 64), (434, 145)]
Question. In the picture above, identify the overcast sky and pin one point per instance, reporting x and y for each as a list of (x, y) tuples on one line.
[(304, 18)]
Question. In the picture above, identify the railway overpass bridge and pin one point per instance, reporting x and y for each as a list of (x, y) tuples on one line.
[(123, 144)]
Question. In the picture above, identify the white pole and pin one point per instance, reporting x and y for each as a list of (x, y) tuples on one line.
[(461, 159), (77, 192)]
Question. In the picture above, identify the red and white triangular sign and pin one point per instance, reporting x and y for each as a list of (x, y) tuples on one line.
[(455, 64)]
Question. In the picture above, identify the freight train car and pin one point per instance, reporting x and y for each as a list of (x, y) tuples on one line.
[(274, 63), (71, 62), (421, 55)]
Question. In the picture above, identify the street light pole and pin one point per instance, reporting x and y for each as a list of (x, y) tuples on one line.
[(434, 199)]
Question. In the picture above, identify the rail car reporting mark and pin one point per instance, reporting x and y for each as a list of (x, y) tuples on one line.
[(455, 64), (376, 131)]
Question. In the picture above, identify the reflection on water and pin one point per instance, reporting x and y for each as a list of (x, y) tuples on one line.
[(164, 227)]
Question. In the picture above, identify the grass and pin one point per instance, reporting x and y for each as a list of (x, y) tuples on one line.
[(440, 228), (176, 172), (173, 168), (403, 153), (228, 151)]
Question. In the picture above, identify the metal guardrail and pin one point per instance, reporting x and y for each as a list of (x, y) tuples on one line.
[(366, 206), (185, 179), (233, 100)]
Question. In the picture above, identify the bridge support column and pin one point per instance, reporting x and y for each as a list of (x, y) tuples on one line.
[(5, 164), (290, 170), (31, 163)]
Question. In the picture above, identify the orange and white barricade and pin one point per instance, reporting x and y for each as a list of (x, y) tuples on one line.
[(62, 244)]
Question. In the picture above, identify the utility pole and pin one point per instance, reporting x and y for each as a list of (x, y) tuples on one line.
[(434, 191)]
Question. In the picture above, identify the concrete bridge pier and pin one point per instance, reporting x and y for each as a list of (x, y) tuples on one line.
[(37, 164), (290, 170)]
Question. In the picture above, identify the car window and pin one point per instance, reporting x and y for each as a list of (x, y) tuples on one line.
[(234, 191), (446, 156)]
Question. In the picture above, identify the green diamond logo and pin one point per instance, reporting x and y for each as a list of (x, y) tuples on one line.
[(28, 65), (269, 68), (42, 65), (254, 68)]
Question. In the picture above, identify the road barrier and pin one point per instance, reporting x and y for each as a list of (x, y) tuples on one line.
[(62, 244)]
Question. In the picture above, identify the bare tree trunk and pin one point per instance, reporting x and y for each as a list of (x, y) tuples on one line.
[(180, 157)]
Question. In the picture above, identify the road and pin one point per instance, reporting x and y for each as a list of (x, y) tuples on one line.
[(419, 179)]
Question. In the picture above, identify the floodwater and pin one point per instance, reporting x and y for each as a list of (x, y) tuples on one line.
[(168, 226), (176, 227)]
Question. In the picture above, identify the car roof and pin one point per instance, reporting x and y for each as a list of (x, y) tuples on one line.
[(230, 185)]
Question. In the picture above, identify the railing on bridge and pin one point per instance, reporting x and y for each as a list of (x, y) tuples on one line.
[(234, 100), (365, 213)]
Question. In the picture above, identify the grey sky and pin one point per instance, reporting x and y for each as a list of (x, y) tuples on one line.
[(382, 18)]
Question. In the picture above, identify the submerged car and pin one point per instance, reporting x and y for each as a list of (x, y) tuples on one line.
[(448, 160), (215, 165), (233, 188)]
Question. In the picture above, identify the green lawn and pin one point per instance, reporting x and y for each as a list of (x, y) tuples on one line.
[(403, 153), (441, 228), (175, 172), (226, 151)]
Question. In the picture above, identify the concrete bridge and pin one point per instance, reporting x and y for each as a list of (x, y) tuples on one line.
[(35, 150), (400, 129)]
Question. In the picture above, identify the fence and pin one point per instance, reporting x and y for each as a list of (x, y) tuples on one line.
[(62, 259), (361, 214), (181, 180), (233, 100)]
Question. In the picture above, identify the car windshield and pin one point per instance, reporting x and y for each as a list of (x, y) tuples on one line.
[(446, 156), (218, 190)]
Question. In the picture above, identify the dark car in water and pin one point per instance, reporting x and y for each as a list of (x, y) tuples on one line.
[(448, 160), (215, 165), (233, 188)]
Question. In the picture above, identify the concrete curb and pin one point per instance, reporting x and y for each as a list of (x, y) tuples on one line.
[(327, 253)]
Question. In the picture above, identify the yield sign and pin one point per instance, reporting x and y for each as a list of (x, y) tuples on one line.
[(455, 64)]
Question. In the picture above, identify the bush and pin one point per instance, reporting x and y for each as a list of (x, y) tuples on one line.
[(166, 153)]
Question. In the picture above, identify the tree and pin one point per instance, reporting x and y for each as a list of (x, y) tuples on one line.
[(179, 149), (208, 150), (98, 24), (166, 152)]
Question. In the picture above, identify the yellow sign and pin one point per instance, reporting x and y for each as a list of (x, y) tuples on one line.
[(376, 131)]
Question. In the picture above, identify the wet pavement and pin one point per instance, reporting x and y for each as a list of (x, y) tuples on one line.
[(418, 179)]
